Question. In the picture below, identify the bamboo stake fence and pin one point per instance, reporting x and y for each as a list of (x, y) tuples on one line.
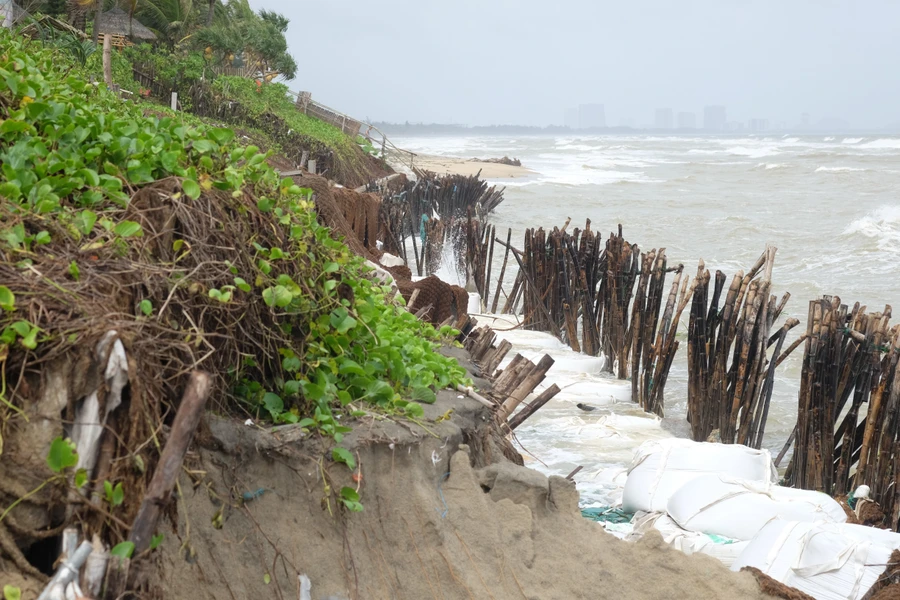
[(730, 377), (848, 414), (610, 299), (434, 210), (583, 291)]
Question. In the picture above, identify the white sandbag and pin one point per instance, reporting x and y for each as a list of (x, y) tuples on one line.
[(660, 467), (709, 504), (389, 260), (825, 560), (725, 550)]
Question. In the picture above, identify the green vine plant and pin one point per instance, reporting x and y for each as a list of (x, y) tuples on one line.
[(72, 156), (61, 459)]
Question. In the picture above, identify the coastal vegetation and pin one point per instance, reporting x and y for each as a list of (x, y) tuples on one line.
[(198, 255), (224, 53)]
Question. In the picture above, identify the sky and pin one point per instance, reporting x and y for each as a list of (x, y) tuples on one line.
[(523, 62)]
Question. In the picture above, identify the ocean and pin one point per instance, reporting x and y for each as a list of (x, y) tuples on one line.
[(828, 203)]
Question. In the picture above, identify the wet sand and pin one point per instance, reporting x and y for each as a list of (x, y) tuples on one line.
[(460, 166)]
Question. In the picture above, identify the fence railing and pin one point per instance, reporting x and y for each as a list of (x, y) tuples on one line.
[(353, 128)]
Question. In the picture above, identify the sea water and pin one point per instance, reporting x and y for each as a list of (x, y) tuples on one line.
[(829, 203)]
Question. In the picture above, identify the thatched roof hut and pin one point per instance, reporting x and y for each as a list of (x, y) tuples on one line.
[(117, 22)]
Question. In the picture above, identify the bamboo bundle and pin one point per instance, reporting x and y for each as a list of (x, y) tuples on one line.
[(734, 397), (512, 385), (651, 360), (615, 293), (561, 274), (843, 368), (411, 210)]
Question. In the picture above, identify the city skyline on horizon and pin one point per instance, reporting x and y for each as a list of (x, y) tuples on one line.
[(712, 118)]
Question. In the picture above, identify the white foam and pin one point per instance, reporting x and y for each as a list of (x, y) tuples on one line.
[(882, 144), (838, 169), (881, 225), (751, 152), (850, 140), (828, 139), (771, 166)]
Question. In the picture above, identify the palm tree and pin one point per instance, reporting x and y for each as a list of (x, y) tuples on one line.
[(170, 19)]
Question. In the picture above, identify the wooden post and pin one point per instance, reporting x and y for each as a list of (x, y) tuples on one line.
[(107, 60), (532, 406), (186, 420), (530, 382), (311, 166), (303, 158), (502, 271), (174, 100), (116, 578)]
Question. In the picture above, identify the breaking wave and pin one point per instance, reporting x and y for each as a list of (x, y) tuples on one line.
[(882, 144), (839, 169), (881, 225)]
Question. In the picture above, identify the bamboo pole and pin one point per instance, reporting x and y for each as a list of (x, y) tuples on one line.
[(186, 420), (531, 407)]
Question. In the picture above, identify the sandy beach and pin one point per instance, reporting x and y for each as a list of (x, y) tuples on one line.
[(460, 166)]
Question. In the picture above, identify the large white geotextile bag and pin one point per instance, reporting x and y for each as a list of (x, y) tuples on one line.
[(828, 561), (660, 467), (738, 509), (723, 549)]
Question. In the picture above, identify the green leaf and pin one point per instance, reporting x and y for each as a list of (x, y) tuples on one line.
[(331, 267), (343, 455), (74, 271), (118, 495), (11, 593), (264, 205), (146, 307), (202, 145), (156, 540), (85, 220), (81, 478), (42, 238), (423, 394), (273, 403), (7, 299), (414, 410), (62, 455), (220, 134), (241, 284), (342, 321), (348, 493), (191, 188), (278, 296), (123, 550), (350, 367), (267, 578), (128, 229)]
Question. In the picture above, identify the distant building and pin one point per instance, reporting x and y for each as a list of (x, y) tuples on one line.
[(571, 120), (687, 120), (663, 118), (590, 116), (758, 125), (626, 122), (734, 126), (714, 118)]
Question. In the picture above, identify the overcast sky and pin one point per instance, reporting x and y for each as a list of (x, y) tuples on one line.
[(482, 62)]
